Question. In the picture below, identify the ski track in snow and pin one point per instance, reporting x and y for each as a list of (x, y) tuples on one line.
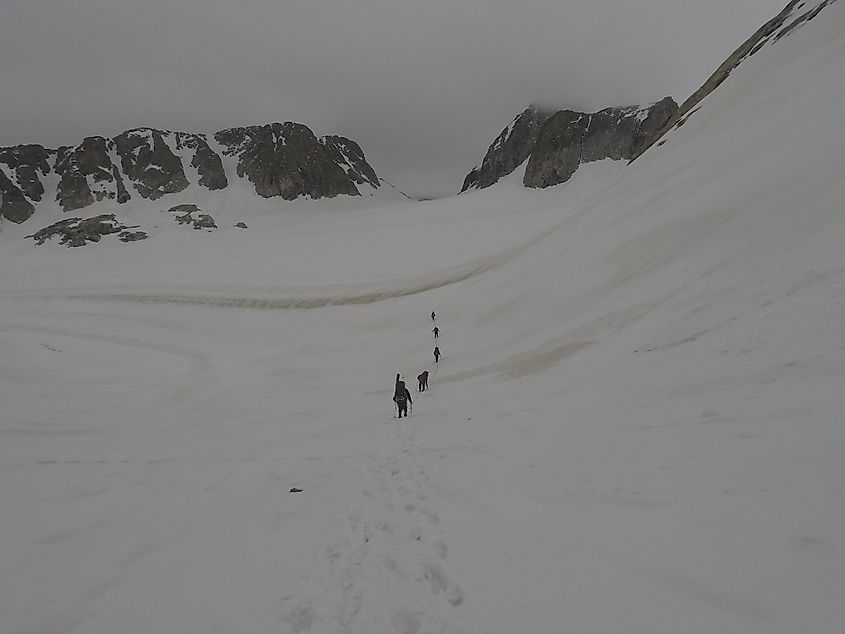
[(343, 296), (386, 566)]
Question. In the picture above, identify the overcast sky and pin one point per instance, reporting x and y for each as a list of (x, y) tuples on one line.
[(423, 86)]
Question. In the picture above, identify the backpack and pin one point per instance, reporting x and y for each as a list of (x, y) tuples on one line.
[(401, 393)]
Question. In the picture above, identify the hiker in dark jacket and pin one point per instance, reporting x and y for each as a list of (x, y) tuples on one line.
[(436, 354), (422, 379), (433, 316), (402, 397), (436, 332)]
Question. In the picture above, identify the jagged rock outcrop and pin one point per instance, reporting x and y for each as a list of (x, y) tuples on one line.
[(13, 204), (286, 160), (279, 159), (348, 154), (569, 139), (557, 153), (779, 26), (88, 174), (190, 214), (20, 183), (26, 162), (510, 149), (149, 163), (556, 144), (77, 232), (207, 162)]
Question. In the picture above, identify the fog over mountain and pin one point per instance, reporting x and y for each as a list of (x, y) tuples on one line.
[(419, 85)]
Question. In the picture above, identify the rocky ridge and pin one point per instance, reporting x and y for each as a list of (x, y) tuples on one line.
[(555, 144), (77, 232), (284, 160), (782, 25)]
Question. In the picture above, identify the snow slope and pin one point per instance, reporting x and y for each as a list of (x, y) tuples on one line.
[(636, 425)]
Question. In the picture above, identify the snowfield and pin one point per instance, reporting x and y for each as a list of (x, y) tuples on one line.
[(636, 426)]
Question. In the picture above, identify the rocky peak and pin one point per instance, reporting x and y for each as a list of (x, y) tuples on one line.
[(20, 183), (348, 154), (287, 160), (204, 160), (88, 174), (279, 159), (555, 144), (569, 139), (149, 163), (509, 150)]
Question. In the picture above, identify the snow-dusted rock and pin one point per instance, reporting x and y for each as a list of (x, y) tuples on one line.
[(279, 160), (555, 144), (286, 160), (77, 232), (510, 149)]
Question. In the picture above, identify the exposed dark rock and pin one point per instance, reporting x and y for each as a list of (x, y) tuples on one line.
[(471, 180), (20, 184), (132, 236), (510, 149), (286, 160), (204, 221), (74, 192), (184, 209), (88, 175), (657, 117), (205, 160), (26, 161), (557, 153), (609, 133), (240, 225), (557, 144), (348, 154), (772, 30), (13, 204), (568, 139), (190, 214), (76, 232), (148, 162), (122, 194)]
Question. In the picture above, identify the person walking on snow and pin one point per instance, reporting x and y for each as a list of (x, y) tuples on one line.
[(433, 316), (422, 379), (436, 354), (401, 396), (436, 332)]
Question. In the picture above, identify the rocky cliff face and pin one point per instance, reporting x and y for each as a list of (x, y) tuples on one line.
[(25, 164), (569, 139), (88, 174), (510, 149), (281, 160), (555, 144), (286, 160)]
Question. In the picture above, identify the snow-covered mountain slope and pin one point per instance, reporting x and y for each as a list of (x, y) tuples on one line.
[(636, 425)]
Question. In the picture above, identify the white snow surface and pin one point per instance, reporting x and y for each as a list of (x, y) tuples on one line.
[(636, 426)]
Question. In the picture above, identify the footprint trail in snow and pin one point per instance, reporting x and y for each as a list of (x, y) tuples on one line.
[(386, 567)]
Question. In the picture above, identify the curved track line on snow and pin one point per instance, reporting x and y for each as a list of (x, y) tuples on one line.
[(373, 293), (197, 362)]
